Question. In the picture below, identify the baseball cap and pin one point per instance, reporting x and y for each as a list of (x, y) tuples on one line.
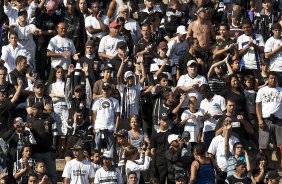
[(107, 67), (90, 43), (107, 154), (201, 9), (76, 147), (70, 1), (162, 45), (121, 133), (273, 175), (106, 86), (121, 45), (191, 62), (21, 12), (276, 26), (185, 134), (164, 116), (128, 74), (38, 82), (181, 30), (172, 138), (38, 105), (77, 87), (114, 24)]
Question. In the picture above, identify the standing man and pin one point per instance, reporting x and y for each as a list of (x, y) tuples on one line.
[(202, 29), (97, 23), (45, 132), (105, 118), (191, 82), (107, 48), (75, 29), (273, 51), (269, 113), (61, 49), (78, 170), (251, 46)]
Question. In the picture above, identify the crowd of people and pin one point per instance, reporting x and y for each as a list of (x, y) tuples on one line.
[(135, 91)]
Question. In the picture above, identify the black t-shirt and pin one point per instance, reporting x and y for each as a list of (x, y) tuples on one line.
[(240, 100), (238, 129), (45, 22), (140, 46), (31, 99), (8, 89), (160, 143), (5, 116), (42, 129)]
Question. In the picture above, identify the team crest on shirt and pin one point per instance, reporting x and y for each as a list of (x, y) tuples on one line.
[(106, 105), (46, 126)]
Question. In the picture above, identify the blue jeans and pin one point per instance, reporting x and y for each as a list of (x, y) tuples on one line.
[(108, 138), (50, 163)]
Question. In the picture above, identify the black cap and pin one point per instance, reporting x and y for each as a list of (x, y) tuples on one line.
[(38, 105), (276, 26), (273, 175), (201, 9), (77, 87), (121, 45), (164, 116), (121, 133), (21, 12), (38, 82), (70, 1), (107, 67), (77, 147), (185, 134), (90, 43), (106, 86)]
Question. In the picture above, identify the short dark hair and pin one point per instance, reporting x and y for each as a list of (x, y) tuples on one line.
[(200, 149), (236, 144), (3, 68), (225, 25), (13, 33), (78, 110), (161, 76), (96, 151), (273, 73), (19, 59), (246, 21), (131, 172)]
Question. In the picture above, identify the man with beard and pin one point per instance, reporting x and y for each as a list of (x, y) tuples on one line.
[(20, 73)]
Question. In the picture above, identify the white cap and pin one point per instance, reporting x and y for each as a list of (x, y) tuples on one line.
[(128, 74), (107, 154), (172, 137), (191, 62), (181, 30)]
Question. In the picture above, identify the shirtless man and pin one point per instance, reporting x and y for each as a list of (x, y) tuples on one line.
[(202, 30)]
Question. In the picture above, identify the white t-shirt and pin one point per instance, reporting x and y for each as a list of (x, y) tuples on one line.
[(192, 125), (186, 80), (275, 61), (137, 167), (106, 109), (108, 45), (154, 67), (176, 49), (132, 97), (59, 44), (25, 35), (217, 149), (9, 55), (112, 176), (249, 58), (270, 99), (79, 172), (92, 21), (215, 106)]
